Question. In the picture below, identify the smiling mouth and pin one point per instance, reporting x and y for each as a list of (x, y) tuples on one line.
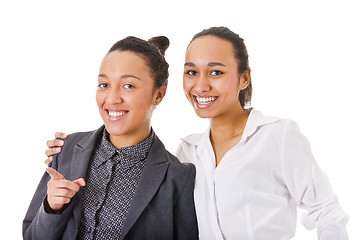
[(114, 114), (204, 100)]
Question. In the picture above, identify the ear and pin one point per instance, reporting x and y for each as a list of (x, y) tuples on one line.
[(244, 80), (159, 95)]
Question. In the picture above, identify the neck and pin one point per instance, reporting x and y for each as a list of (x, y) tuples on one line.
[(129, 139), (228, 126)]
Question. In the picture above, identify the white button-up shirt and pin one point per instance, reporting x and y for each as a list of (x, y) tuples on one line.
[(254, 191)]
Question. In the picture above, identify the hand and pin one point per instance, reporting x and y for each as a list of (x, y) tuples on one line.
[(54, 146), (61, 191)]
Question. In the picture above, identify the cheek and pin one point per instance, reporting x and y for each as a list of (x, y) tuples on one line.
[(99, 99), (141, 102), (187, 85), (230, 86)]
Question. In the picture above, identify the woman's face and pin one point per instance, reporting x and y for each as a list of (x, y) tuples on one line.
[(211, 79), (125, 94)]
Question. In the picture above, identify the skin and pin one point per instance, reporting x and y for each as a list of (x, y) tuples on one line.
[(60, 191), (126, 97), (211, 84), (125, 86), (213, 77)]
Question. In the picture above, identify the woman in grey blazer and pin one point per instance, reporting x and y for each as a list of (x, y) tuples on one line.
[(119, 181)]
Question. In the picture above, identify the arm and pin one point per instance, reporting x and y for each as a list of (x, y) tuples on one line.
[(38, 224), (46, 218), (310, 187), (185, 222)]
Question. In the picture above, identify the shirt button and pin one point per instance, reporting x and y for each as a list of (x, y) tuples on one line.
[(108, 176), (89, 230), (97, 203)]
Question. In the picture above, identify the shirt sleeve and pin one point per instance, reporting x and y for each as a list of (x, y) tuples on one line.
[(310, 187)]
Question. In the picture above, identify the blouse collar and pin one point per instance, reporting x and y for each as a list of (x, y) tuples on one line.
[(255, 120)]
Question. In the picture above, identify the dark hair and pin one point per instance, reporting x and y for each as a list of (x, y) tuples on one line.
[(153, 52), (241, 55)]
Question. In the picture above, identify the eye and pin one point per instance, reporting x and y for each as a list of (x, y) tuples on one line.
[(215, 73), (191, 72), (103, 85), (128, 86)]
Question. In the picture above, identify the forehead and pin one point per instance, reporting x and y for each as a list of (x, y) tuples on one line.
[(210, 47), (125, 62)]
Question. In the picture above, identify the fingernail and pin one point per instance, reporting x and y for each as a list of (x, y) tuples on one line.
[(57, 150), (60, 142)]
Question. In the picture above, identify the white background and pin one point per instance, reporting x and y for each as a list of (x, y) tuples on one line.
[(305, 58)]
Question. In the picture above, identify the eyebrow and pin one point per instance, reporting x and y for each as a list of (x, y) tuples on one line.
[(210, 64), (122, 77)]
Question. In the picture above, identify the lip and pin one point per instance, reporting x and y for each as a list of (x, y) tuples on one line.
[(115, 114), (203, 101)]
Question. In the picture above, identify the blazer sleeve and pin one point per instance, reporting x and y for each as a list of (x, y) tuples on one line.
[(38, 224), (185, 222)]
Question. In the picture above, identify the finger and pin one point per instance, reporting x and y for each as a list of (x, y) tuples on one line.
[(60, 135), (55, 186), (80, 182), (61, 192), (54, 174), (52, 151), (55, 143), (48, 160)]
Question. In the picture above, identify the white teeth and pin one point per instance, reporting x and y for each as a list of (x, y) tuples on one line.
[(205, 100), (116, 114)]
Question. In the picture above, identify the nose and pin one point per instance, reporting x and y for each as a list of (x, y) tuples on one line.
[(202, 84), (114, 96)]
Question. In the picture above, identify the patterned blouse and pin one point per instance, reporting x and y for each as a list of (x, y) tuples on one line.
[(111, 182)]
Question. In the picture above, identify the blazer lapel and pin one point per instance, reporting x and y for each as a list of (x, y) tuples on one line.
[(82, 154), (152, 176)]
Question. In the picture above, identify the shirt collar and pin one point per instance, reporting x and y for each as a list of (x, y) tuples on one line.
[(255, 120), (132, 153)]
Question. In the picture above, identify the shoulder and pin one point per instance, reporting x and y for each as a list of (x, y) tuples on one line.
[(82, 137), (194, 139), (258, 122), (179, 168), (176, 169), (76, 137)]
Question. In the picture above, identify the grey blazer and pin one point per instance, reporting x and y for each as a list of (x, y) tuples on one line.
[(162, 207)]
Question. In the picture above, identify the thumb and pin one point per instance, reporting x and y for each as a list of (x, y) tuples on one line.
[(54, 174), (80, 182)]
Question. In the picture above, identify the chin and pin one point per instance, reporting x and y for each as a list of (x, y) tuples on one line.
[(115, 131), (203, 114)]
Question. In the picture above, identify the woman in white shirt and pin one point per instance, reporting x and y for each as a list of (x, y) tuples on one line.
[(252, 171)]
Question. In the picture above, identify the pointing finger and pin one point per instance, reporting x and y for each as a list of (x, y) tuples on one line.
[(54, 174)]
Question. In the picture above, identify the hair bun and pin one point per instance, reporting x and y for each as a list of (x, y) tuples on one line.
[(161, 42)]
